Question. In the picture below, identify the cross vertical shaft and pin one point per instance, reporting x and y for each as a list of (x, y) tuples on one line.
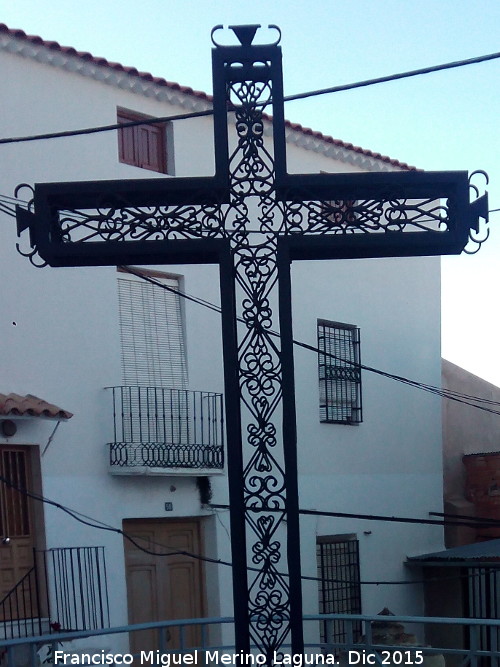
[(269, 482)]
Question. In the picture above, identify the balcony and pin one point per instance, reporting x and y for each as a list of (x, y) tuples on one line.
[(158, 430)]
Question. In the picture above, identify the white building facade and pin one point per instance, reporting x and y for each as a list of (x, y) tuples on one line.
[(72, 334)]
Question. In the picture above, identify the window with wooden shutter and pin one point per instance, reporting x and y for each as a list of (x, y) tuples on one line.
[(142, 145)]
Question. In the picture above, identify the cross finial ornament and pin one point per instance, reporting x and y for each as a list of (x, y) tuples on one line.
[(245, 33), (253, 219)]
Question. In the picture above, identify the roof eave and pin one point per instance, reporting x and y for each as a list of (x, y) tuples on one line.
[(144, 83)]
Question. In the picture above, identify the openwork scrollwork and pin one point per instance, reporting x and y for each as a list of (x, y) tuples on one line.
[(250, 203), (367, 216), (128, 223)]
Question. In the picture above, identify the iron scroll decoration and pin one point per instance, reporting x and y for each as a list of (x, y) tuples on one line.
[(253, 219)]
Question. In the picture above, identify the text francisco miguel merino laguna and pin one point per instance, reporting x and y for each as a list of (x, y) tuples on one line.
[(207, 657)]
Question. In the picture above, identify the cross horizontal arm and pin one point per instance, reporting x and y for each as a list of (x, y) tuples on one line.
[(341, 216), (86, 223)]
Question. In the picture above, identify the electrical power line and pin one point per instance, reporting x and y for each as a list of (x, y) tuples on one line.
[(99, 525), (443, 393), (287, 98), (395, 77), (378, 517), (449, 394), (105, 128), (479, 521)]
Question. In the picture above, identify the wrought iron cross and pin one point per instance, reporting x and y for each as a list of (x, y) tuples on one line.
[(253, 219)]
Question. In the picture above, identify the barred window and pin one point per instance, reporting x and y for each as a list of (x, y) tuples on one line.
[(339, 588), (339, 373)]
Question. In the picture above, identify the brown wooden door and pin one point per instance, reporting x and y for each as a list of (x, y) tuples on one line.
[(16, 532), (163, 587)]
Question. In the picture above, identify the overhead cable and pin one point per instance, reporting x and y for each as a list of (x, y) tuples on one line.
[(394, 77), (105, 128), (450, 394), (443, 393), (287, 98), (99, 525), (371, 517)]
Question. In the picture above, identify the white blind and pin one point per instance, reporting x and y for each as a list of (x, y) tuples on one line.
[(152, 338)]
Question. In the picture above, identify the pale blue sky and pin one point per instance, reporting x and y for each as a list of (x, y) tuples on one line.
[(446, 120)]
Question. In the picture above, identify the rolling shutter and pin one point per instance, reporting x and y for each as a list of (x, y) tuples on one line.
[(152, 339)]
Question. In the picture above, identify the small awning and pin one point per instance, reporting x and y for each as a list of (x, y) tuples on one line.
[(13, 405), (471, 555)]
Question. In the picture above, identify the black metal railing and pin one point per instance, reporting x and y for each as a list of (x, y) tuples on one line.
[(20, 608), (158, 427), (66, 589), (77, 590)]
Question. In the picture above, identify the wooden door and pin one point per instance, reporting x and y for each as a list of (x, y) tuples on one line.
[(163, 587), (16, 532)]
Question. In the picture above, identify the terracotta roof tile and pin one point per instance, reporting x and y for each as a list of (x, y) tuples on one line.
[(14, 405), (343, 144), (146, 76)]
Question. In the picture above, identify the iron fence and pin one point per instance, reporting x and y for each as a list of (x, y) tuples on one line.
[(158, 427), (66, 589), (76, 587)]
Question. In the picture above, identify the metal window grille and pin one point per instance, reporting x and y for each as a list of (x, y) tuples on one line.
[(14, 506), (339, 373), (339, 588), (482, 585)]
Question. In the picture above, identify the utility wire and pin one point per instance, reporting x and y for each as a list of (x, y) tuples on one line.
[(471, 522), (443, 393), (373, 517), (394, 77), (99, 525), (10, 201), (450, 394), (439, 391), (287, 98), (95, 523), (105, 128), (482, 521)]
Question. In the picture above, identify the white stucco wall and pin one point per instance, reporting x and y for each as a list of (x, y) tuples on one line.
[(64, 347)]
